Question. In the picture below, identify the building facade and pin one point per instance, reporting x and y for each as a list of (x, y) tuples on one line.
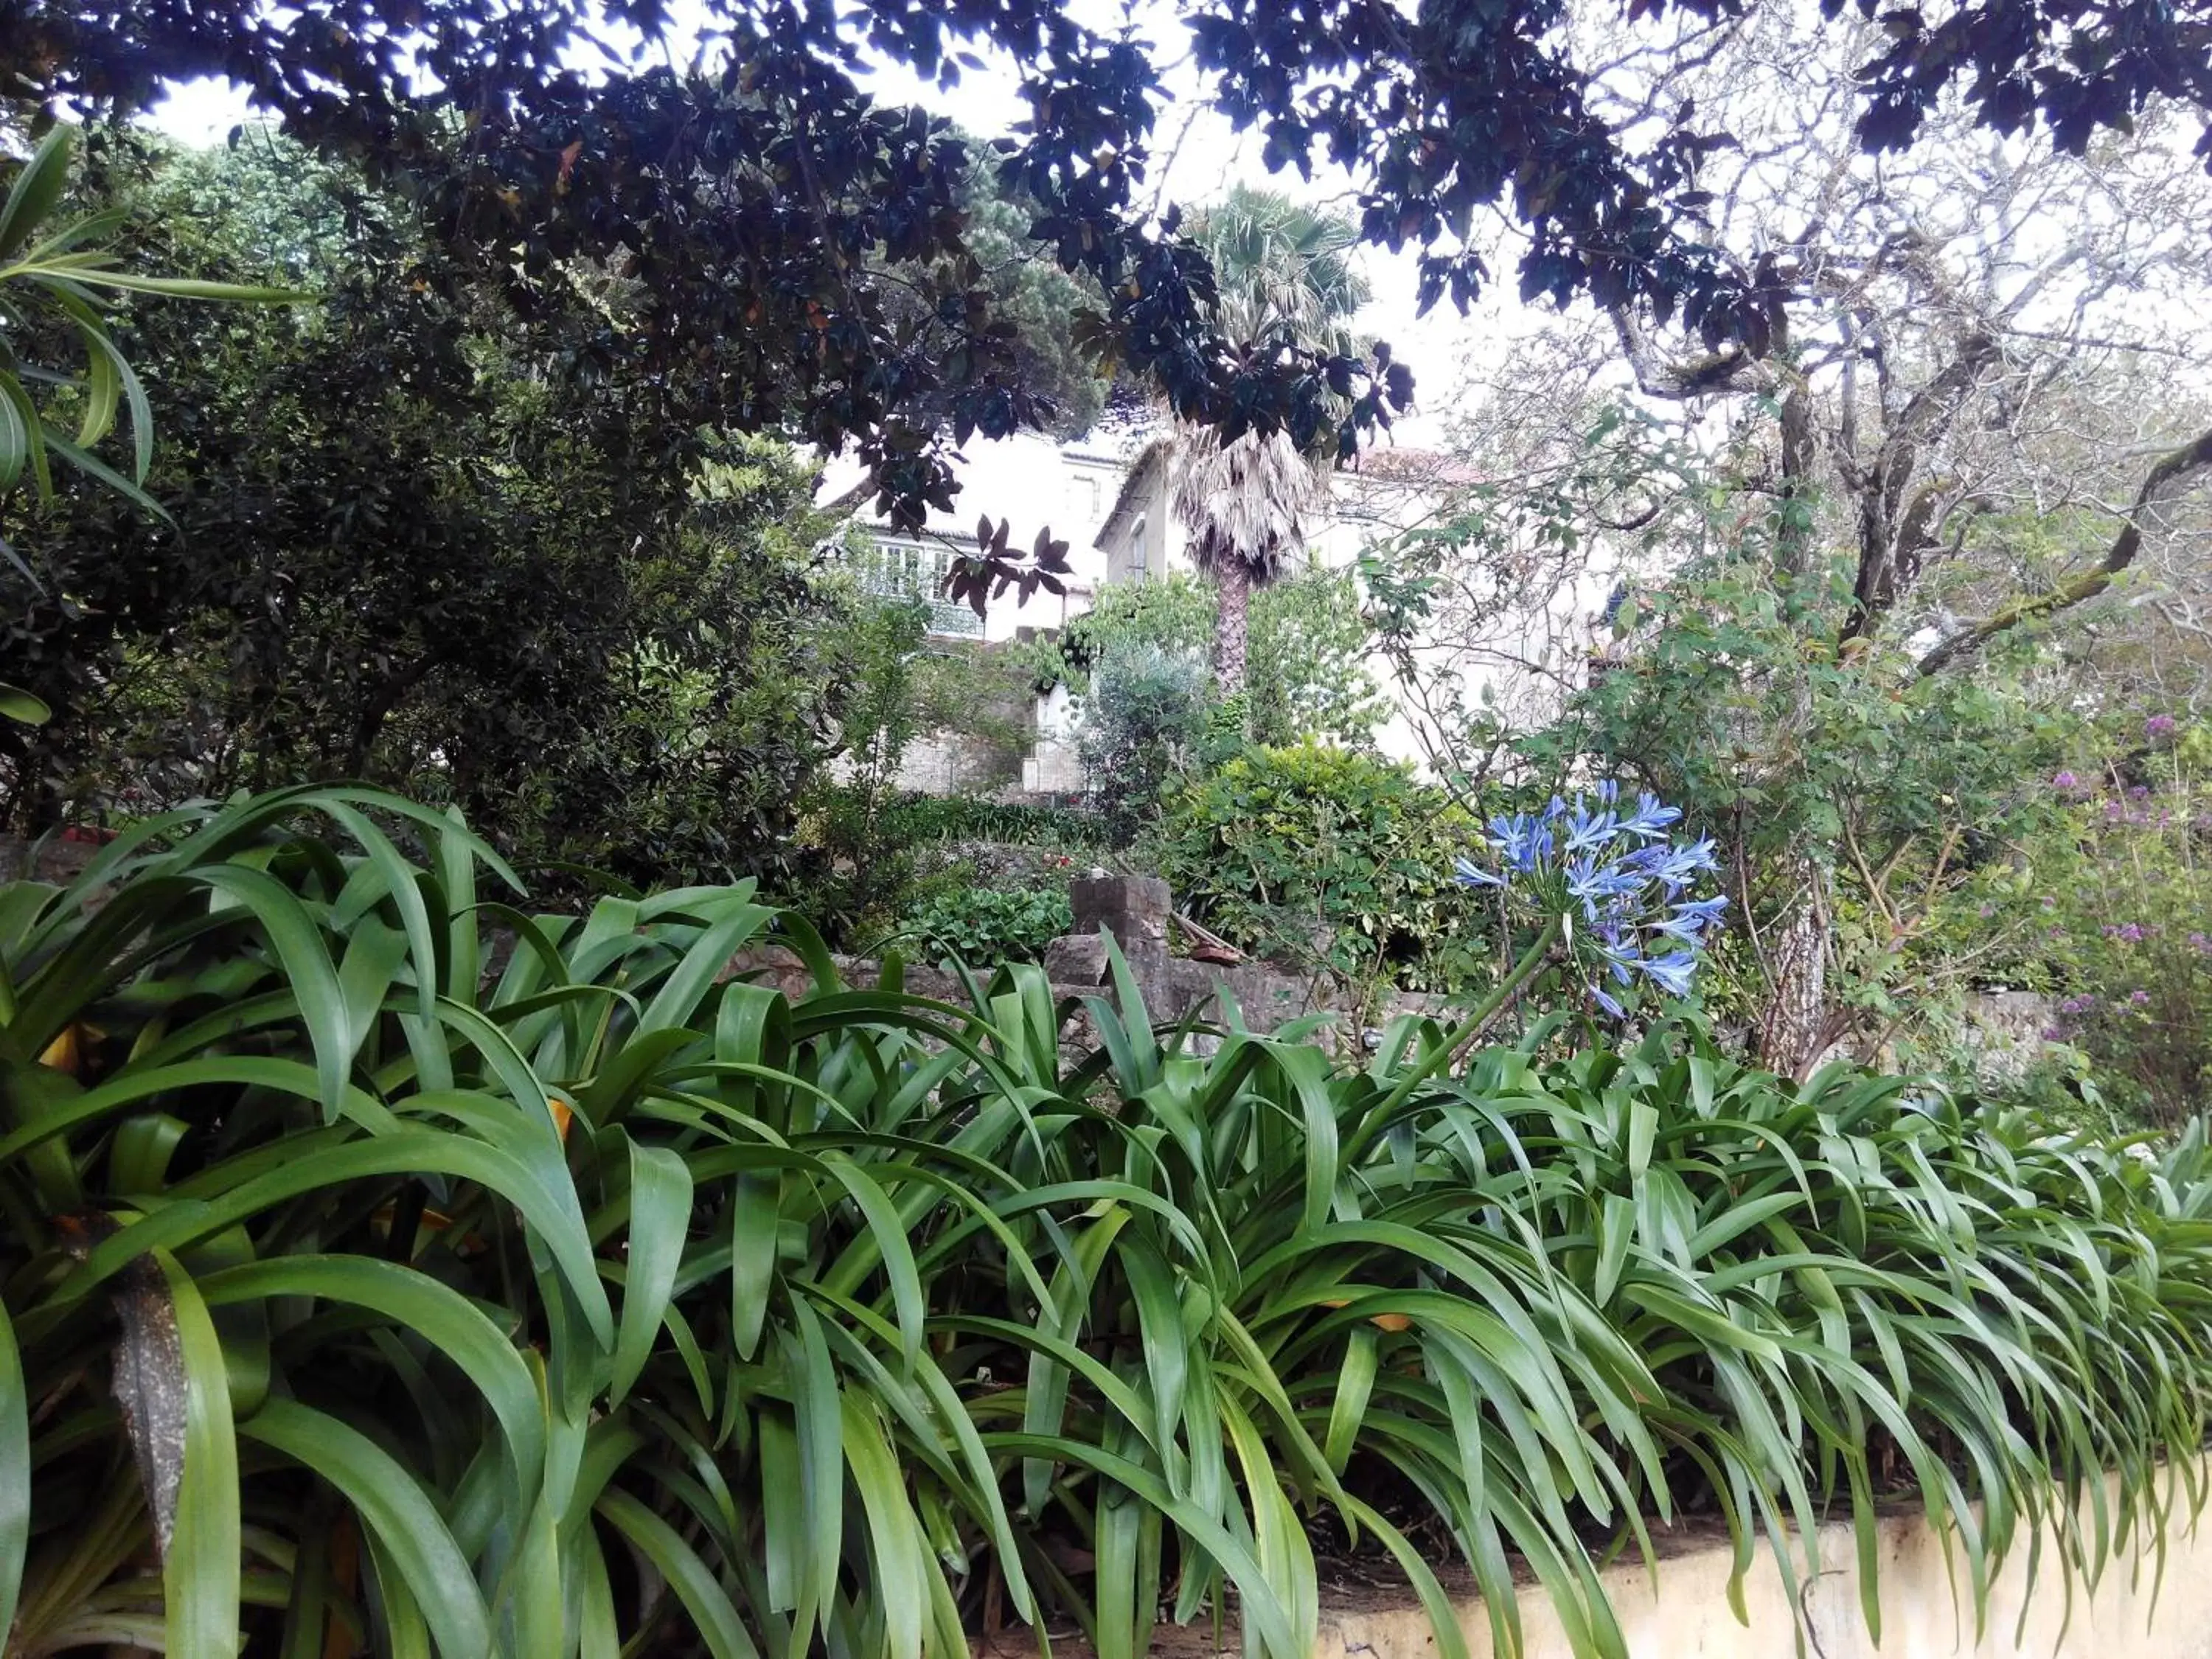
[(1107, 496)]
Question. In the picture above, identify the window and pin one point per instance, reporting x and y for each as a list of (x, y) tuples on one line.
[(908, 570)]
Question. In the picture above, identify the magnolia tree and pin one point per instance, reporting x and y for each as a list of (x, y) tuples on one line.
[(747, 214)]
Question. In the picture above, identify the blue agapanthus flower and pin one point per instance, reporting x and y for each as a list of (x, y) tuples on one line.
[(1617, 881)]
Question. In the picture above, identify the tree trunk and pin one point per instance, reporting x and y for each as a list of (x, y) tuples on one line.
[(1231, 627), (1793, 1026)]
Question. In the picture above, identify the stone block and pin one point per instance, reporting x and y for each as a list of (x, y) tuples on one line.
[(1133, 908), (1076, 959)]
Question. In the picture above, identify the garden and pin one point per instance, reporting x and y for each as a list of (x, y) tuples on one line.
[(524, 1133)]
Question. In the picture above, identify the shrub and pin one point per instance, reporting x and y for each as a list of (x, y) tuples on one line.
[(965, 818), (1319, 855), (1309, 648), (867, 857), (2116, 915), (571, 1295), (985, 926), (1144, 720)]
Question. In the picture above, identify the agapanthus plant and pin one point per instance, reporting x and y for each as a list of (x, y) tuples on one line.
[(1612, 887)]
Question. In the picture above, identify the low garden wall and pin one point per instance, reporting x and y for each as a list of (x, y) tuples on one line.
[(1689, 1614)]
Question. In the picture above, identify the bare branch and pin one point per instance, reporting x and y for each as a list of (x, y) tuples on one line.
[(1730, 370), (2176, 473)]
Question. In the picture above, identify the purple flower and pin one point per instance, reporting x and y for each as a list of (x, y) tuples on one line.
[(2139, 792), (1611, 871), (2131, 934), (1586, 830), (1671, 974), (2159, 725), (2198, 942), (2054, 1034), (2139, 998), (1649, 819), (2066, 783)]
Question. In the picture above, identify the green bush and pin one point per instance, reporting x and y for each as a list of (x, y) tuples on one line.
[(867, 858), (2112, 915), (480, 1281), (1145, 720), (964, 817), (986, 925), (1310, 646), (414, 544), (1325, 856)]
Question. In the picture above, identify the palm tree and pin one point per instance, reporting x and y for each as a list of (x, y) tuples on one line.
[(1283, 272)]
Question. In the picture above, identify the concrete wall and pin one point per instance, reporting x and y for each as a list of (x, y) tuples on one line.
[(1689, 1617)]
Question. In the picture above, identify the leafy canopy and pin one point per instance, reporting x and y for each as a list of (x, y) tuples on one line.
[(749, 201), (418, 539)]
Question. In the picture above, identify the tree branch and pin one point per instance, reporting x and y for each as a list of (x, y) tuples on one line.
[(2175, 472), (1731, 369)]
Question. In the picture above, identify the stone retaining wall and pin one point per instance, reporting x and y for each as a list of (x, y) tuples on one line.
[(1135, 910)]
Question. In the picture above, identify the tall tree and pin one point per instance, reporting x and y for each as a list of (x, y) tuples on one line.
[(406, 543), (753, 197), (1981, 408), (1284, 275)]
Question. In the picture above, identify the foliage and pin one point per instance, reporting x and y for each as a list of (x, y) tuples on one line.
[(2114, 913), (63, 269), (1145, 718), (751, 189), (1246, 503), (1896, 792), (416, 545), (1032, 293), (968, 818), (1283, 267), (1308, 669), (775, 277), (987, 926), (850, 873), (1321, 856), (863, 838), (557, 1297)]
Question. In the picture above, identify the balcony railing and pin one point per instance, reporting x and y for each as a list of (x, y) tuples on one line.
[(908, 570)]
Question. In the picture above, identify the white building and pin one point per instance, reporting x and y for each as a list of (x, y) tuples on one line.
[(1106, 497)]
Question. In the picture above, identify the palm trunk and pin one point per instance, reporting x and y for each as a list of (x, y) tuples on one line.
[(1231, 628)]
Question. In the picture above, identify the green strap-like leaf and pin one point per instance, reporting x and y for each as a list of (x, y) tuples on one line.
[(659, 1216), (15, 703), (14, 1473), (712, 1614), (436, 1313), (391, 1504), (200, 1575), (35, 190)]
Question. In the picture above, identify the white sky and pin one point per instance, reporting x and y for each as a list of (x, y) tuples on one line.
[(1196, 158)]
